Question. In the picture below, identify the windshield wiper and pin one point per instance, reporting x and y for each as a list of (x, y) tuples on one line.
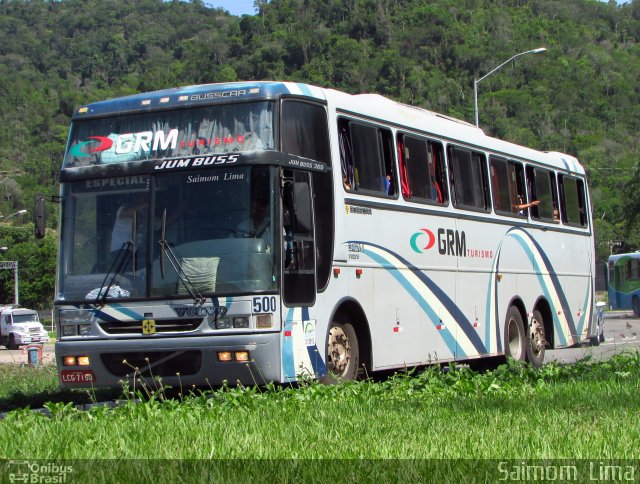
[(177, 266), (175, 263), (119, 263)]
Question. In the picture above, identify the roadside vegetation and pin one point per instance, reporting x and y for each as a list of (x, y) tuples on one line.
[(514, 412)]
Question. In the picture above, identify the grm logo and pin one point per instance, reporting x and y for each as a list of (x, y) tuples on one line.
[(414, 240)]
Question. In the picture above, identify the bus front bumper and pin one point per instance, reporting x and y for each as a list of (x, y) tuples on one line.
[(175, 362)]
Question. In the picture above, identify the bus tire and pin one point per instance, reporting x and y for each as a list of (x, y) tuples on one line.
[(536, 340), (343, 358), (515, 337), (635, 304)]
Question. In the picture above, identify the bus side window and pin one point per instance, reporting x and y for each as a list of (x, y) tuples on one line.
[(423, 171), (468, 177), (367, 160), (572, 201), (542, 187), (507, 186)]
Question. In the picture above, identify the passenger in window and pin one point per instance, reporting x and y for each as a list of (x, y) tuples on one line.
[(387, 185), (521, 205)]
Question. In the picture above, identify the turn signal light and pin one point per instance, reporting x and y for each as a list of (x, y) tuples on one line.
[(69, 361), (83, 361)]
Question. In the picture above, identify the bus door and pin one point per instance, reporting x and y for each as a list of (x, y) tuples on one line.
[(298, 259)]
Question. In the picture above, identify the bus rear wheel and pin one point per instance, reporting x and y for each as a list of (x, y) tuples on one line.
[(515, 339), (536, 340), (343, 356)]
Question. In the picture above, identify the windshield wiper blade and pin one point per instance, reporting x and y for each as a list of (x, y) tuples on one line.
[(177, 266), (117, 266)]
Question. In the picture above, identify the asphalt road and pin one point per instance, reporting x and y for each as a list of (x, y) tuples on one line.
[(621, 332)]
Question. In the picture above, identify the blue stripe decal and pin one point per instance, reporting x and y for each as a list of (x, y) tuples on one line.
[(305, 90), (444, 299), (547, 294), (288, 365), (315, 357), (396, 273), (126, 311), (558, 288), (319, 368), (566, 164), (99, 315)]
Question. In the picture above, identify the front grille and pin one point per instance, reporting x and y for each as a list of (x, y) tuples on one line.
[(161, 326), (153, 363)]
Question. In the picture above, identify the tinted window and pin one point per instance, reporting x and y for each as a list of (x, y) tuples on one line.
[(542, 191), (304, 130), (467, 170), (167, 134), (507, 185), (572, 197), (422, 170), (366, 153)]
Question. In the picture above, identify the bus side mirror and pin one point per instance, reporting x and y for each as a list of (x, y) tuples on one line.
[(40, 217)]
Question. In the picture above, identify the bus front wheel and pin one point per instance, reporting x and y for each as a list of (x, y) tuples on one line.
[(515, 344), (342, 353), (536, 340)]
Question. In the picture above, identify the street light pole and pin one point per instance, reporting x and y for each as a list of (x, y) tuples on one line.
[(19, 212), (477, 81)]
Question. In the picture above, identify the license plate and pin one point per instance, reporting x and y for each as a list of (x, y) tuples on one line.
[(77, 376)]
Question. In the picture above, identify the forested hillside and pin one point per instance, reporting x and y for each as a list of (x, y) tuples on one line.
[(581, 96)]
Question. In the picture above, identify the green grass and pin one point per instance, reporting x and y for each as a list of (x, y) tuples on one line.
[(515, 412)]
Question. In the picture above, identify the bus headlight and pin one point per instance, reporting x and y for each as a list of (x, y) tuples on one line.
[(69, 330), (223, 323), (84, 329)]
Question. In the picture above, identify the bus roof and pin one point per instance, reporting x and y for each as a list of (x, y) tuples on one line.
[(202, 94), (372, 106)]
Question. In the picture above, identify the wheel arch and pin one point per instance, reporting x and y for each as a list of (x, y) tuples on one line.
[(348, 310), (544, 308)]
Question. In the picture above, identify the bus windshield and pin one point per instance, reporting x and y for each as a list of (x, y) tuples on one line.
[(168, 234), (167, 134)]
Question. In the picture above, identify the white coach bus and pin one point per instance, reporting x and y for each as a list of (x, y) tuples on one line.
[(265, 231)]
